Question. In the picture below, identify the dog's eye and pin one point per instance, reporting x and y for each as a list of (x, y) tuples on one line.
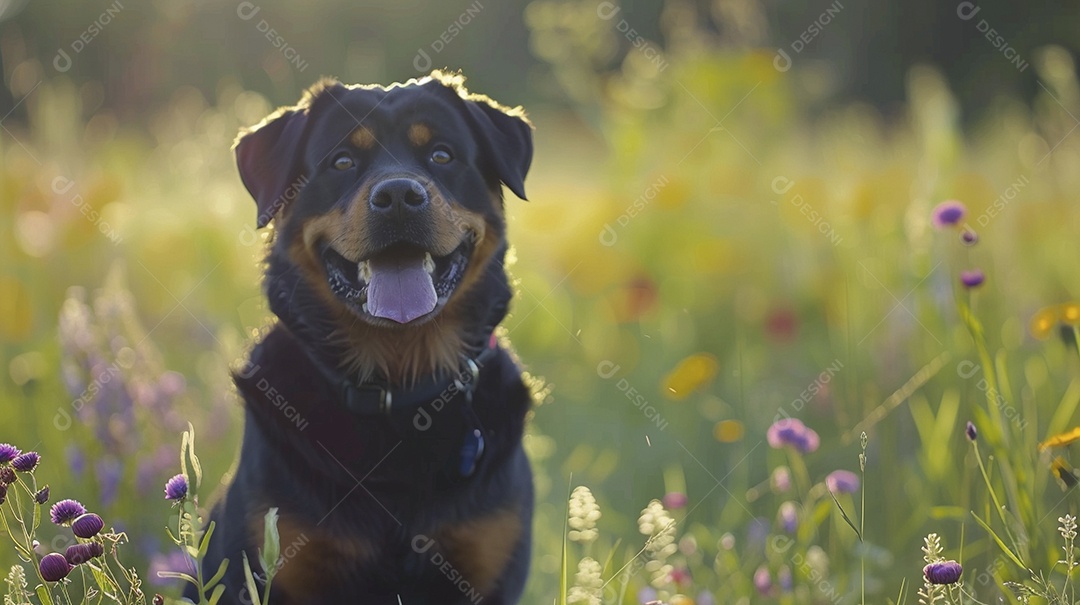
[(343, 162), (441, 155)]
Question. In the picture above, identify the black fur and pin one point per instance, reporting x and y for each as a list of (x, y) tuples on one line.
[(347, 479)]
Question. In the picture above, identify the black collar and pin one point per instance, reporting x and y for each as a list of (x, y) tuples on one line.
[(454, 439), (376, 397)]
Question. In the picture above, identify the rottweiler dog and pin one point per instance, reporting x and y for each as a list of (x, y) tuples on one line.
[(382, 416)]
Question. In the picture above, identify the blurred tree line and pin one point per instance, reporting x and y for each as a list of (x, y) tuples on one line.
[(141, 51)]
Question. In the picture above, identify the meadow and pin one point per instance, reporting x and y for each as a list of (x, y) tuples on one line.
[(709, 250)]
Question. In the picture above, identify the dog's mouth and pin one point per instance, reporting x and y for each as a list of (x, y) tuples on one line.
[(402, 283)]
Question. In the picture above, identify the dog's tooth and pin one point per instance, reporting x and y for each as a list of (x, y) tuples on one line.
[(364, 271), (429, 263), (364, 307)]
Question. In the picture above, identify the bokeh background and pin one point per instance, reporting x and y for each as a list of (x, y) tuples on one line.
[(730, 223)]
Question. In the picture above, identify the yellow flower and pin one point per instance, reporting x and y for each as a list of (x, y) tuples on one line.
[(1061, 439), (1069, 313), (1044, 321), (689, 375)]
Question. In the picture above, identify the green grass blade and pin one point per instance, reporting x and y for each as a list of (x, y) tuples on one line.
[(1000, 543)]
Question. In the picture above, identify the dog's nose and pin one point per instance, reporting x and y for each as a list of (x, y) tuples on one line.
[(398, 196)]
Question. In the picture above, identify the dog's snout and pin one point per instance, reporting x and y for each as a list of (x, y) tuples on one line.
[(398, 196)]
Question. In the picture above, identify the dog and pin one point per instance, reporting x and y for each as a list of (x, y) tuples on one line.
[(383, 418)]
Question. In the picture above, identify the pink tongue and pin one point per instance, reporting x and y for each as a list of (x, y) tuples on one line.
[(400, 289)]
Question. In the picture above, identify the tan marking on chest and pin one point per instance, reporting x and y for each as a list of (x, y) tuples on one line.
[(310, 555), (481, 548)]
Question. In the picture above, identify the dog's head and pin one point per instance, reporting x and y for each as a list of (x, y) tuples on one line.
[(387, 204)]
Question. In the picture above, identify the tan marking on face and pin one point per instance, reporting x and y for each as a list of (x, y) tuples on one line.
[(402, 354), (362, 137), (419, 134), (481, 548)]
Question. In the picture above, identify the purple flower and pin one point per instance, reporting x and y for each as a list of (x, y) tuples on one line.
[(762, 580), (948, 214), (943, 572), (705, 598), (7, 475), (791, 431), (77, 554), (174, 561), (970, 431), (24, 463), (972, 279), (54, 567), (969, 237), (674, 500), (8, 452), (42, 495), (76, 460), (842, 482), (176, 488), (66, 511), (647, 595), (785, 579), (757, 531), (789, 517), (87, 526)]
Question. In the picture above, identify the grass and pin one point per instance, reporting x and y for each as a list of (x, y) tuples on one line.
[(707, 250)]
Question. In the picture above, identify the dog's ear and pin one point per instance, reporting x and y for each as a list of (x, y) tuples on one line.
[(506, 138), (268, 158)]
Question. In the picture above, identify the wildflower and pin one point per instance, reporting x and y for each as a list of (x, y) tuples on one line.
[(789, 518), (656, 523), (158, 600), (932, 548), (757, 531), (943, 572), (791, 431), (972, 279), (1044, 321), (65, 511), (785, 579), (3, 493), (176, 488), (7, 475), (54, 567), (1069, 313), (762, 580), (689, 375), (648, 595), (24, 463), (584, 512), (77, 554), (1068, 527), (681, 576), (42, 495), (8, 452), (969, 237), (173, 561), (781, 479), (727, 541), (87, 525), (705, 598), (948, 214), (674, 500), (588, 584), (688, 545), (970, 431), (842, 482)]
